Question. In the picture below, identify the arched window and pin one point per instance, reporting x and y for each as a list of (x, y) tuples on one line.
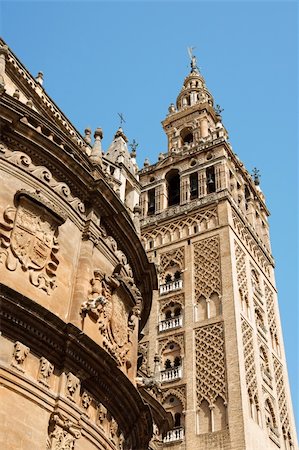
[(193, 185), (151, 202), (211, 180), (173, 187), (187, 135)]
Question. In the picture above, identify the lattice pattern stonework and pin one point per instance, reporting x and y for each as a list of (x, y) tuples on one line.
[(210, 363), (250, 243), (188, 226), (281, 395), (241, 270), (207, 267), (270, 310), (170, 259), (249, 360)]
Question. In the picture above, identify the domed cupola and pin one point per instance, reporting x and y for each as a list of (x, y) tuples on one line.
[(194, 89)]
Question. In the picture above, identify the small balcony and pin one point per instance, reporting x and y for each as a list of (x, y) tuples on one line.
[(170, 324), (171, 287), (173, 374), (177, 434)]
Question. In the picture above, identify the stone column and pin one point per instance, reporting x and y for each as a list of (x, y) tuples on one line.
[(204, 131), (185, 190), (202, 183)]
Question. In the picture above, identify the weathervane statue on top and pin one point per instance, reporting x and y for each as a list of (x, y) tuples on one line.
[(193, 62)]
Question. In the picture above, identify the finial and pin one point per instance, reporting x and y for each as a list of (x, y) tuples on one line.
[(133, 146), (96, 152), (40, 78), (87, 137), (256, 176), (193, 62), (171, 108), (146, 162)]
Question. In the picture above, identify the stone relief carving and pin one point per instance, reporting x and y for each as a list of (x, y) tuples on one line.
[(28, 237), (105, 307), (207, 272), (19, 355), (43, 174), (86, 400), (45, 371), (101, 416), (143, 349), (72, 386), (62, 433), (210, 363)]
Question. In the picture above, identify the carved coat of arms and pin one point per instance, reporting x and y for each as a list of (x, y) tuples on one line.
[(28, 236)]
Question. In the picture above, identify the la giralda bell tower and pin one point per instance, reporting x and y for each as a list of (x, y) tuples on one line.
[(214, 331)]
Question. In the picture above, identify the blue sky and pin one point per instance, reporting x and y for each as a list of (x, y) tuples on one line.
[(101, 58)]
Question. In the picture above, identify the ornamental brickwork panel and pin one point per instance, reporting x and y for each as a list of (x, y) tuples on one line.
[(248, 240), (210, 363), (173, 258), (270, 310), (207, 267), (177, 229), (241, 270), (281, 395), (249, 360)]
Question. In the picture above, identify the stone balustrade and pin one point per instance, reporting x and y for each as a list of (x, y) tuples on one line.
[(169, 324), (172, 374), (177, 434), (170, 287)]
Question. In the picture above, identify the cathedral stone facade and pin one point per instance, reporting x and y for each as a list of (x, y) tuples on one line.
[(138, 308)]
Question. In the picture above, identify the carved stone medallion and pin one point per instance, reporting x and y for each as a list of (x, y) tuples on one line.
[(28, 236)]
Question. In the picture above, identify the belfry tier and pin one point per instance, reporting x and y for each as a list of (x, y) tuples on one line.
[(194, 119)]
